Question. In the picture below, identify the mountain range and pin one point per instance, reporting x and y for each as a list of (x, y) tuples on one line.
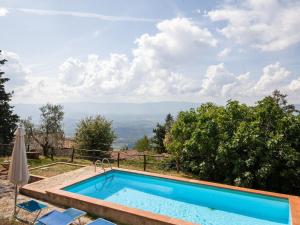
[(131, 121)]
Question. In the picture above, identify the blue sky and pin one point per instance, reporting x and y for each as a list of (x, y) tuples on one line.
[(137, 51)]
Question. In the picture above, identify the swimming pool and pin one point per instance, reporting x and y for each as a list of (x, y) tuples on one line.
[(196, 203)]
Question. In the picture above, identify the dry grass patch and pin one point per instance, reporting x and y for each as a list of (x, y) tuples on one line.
[(53, 170)]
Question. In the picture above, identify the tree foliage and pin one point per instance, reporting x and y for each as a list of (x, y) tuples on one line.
[(143, 144), (95, 133), (49, 134), (8, 120), (251, 146), (160, 132), (28, 127)]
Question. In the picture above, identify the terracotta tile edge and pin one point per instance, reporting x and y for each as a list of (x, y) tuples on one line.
[(295, 209)]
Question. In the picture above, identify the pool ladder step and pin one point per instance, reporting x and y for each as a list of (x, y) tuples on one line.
[(102, 163)]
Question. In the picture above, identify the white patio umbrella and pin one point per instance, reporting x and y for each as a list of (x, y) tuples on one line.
[(18, 170)]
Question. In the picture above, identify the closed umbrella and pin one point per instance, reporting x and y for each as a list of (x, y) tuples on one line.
[(18, 170)]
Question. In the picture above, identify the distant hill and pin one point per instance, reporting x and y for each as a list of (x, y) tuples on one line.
[(130, 120)]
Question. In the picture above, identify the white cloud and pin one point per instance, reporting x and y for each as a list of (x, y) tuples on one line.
[(42, 12), (269, 25), (154, 71), (219, 82), (28, 88), (3, 11), (177, 40), (109, 76), (151, 72), (225, 52), (274, 76), (14, 70), (294, 85)]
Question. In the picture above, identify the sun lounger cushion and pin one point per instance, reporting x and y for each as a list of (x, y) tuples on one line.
[(74, 213), (56, 218), (31, 206), (101, 221)]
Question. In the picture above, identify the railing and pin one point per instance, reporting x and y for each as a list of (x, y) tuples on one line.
[(89, 154), (121, 158), (143, 159), (102, 164), (107, 160), (95, 164)]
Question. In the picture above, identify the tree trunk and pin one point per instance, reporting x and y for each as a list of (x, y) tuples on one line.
[(177, 165), (52, 153), (45, 149)]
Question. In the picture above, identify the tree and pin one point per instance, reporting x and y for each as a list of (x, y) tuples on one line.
[(95, 133), (252, 146), (28, 127), (142, 144), (8, 120), (281, 101), (49, 134), (160, 132)]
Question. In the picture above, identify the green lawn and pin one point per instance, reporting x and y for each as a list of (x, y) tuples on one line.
[(136, 164)]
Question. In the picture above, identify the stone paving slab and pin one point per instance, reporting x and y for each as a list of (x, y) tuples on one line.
[(38, 189)]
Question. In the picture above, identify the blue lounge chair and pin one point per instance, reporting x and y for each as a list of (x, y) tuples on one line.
[(30, 206), (101, 221), (75, 213), (61, 218)]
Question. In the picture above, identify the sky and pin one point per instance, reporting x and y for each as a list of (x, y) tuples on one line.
[(147, 51)]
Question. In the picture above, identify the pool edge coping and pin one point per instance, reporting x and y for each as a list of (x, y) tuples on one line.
[(294, 201)]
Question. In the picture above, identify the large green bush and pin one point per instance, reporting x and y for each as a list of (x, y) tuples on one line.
[(95, 133), (252, 146)]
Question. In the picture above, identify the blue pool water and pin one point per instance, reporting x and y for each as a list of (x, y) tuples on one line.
[(200, 204)]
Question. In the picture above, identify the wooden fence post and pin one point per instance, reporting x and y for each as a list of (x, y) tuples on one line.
[(118, 159), (72, 156), (145, 162)]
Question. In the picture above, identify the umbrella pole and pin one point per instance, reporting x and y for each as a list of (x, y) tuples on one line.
[(16, 193)]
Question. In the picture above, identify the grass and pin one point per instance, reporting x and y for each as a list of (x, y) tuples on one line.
[(43, 161), (154, 167), (134, 164), (53, 170)]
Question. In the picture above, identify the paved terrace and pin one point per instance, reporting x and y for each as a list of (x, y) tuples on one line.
[(38, 189)]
